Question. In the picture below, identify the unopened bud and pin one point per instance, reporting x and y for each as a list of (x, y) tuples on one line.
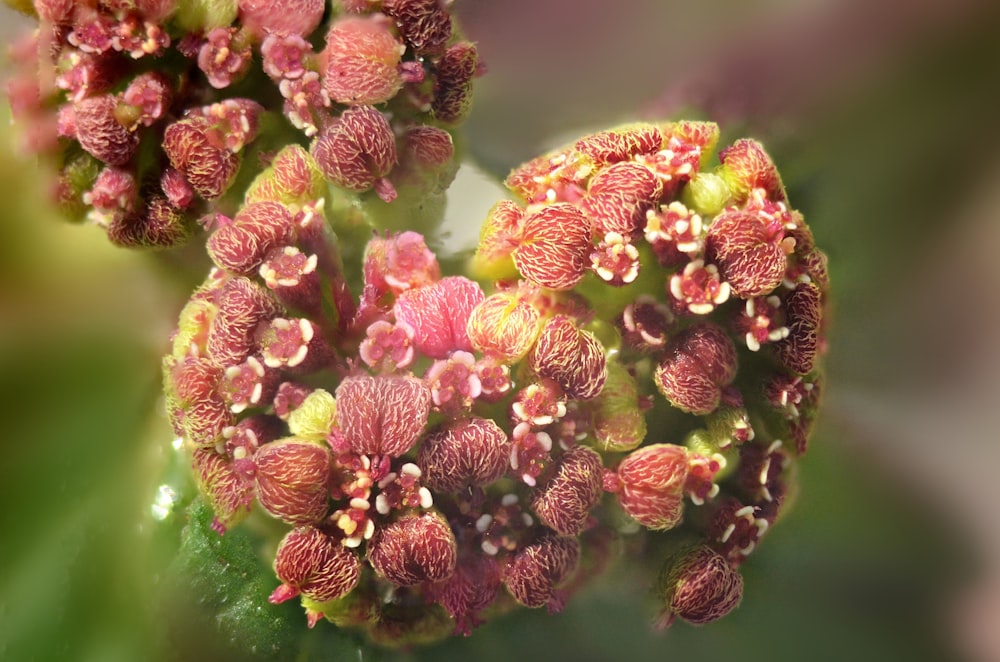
[(414, 550), (564, 502), (699, 586), (471, 452), (315, 565), (291, 480)]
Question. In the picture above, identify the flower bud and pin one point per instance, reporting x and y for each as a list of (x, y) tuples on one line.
[(398, 263), (563, 503), (748, 250), (499, 236), (699, 586), (229, 493), (298, 17), (462, 453), (224, 56), (209, 168), (423, 24), (315, 565), (453, 82), (291, 480), (555, 246), (538, 568), (619, 196), (425, 158), (652, 485), (472, 588), (313, 419), (292, 178), (619, 424), (698, 363), (356, 150), (242, 245), (242, 305), (361, 57), (706, 193), (382, 415), (572, 358), (100, 132), (439, 314), (803, 315), (158, 225), (746, 166), (504, 325), (620, 144), (414, 550)]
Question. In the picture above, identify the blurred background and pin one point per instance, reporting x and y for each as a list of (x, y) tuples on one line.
[(882, 116)]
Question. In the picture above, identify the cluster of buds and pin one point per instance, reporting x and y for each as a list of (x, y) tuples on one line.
[(640, 354), (634, 350), (149, 108)]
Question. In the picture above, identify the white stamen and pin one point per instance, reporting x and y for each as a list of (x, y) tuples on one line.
[(382, 504), (426, 500), (484, 522)]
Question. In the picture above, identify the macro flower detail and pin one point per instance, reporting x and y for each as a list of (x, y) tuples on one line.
[(699, 586), (415, 444)]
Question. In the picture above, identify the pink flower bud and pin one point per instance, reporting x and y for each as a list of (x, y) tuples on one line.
[(414, 550), (210, 169), (292, 480), (453, 82), (698, 363), (243, 244), (699, 586), (462, 453), (292, 178), (152, 92), (228, 492), (439, 314), (100, 132), (242, 306), (382, 415), (356, 150), (746, 166), (398, 263), (158, 225), (472, 588), (224, 57), (504, 325), (315, 565), (195, 407), (538, 568), (423, 24), (362, 57), (299, 17), (652, 485), (424, 154), (620, 144), (803, 314), (115, 189), (749, 251), (619, 196), (563, 503), (572, 358), (555, 246)]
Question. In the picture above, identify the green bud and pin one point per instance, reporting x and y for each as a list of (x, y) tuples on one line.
[(204, 15), (618, 421), (707, 193), (314, 418)]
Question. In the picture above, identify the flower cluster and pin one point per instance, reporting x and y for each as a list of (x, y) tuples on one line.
[(149, 108), (644, 357)]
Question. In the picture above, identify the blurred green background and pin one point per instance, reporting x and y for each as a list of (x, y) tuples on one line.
[(883, 119)]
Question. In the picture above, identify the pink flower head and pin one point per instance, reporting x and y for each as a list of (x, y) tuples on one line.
[(291, 480), (564, 501), (382, 415), (101, 131), (652, 485), (746, 166), (439, 314), (698, 363), (472, 451), (749, 250), (572, 358), (504, 325), (315, 565), (362, 56), (619, 196), (555, 246), (398, 263), (357, 151), (414, 550), (299, 17)]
